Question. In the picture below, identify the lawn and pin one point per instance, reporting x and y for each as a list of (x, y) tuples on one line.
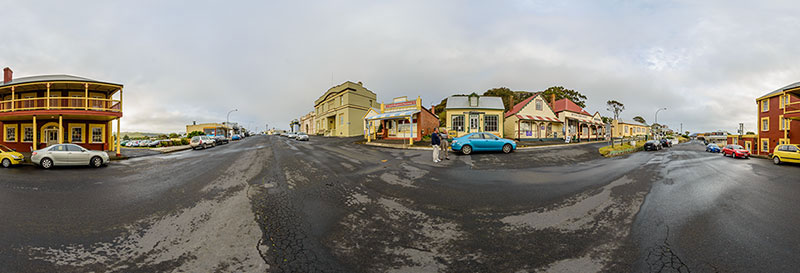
[(626, 148)]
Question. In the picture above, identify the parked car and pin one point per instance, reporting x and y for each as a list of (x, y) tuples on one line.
[(734, 150), (783, 153), (481, 142), (291, 135), (653, 145), (284, 134), (712, 148), (9, 157), (236, 137), (154, 143), (302, 136), (666, 143), (201, 142), (68, 155), (221, 140)]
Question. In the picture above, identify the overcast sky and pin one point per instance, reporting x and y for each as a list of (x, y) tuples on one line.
[(184, 61)]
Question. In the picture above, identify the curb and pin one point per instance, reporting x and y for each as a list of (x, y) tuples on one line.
[(394, 146), (557, 145)]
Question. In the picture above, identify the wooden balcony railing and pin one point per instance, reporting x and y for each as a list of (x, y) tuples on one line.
[(792, 108), (61, 103)]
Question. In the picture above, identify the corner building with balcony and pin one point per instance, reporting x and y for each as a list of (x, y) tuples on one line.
[(778, 115), (43, 110)]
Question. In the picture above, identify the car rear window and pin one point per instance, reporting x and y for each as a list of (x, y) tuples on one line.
[(58, 148)]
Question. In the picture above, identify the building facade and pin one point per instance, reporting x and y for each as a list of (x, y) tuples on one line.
[(307, 123), (749, 141), (470, 114), (778, 115), (532, 119), (628, 128), (577, 123), (340, 111), (211, 129), (39, 111), (401, 119)]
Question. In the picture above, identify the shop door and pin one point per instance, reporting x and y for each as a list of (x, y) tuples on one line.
[(474, 123), (51, 136)]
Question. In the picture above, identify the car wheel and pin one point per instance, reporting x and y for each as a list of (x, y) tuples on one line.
[(6, 163), (466, 149), (776, 160), (96, 162), (507, 148), (46, 163)]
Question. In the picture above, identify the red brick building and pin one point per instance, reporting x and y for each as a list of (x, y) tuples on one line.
[(38, 111), (778, 114)]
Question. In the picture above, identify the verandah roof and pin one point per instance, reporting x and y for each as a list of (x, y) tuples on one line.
[(393, 115), (537, 118)]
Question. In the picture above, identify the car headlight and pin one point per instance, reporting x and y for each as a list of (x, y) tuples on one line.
[(15, 157)]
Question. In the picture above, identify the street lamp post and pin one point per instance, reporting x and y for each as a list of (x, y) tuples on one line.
[(228, 117), (656, 121)]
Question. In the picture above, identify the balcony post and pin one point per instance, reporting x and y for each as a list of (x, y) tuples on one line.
[(86, 96), (118, 137), (33, 148), (12, 99), (48, 96), (120, 99), (60, 130)]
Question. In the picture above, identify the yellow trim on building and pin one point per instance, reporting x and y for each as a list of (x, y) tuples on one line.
[(83, 131), (765, 105), (761, 124), (102, 133), (761, 145), (5, 132)]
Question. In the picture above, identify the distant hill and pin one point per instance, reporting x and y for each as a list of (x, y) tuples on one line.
[(139, 134)]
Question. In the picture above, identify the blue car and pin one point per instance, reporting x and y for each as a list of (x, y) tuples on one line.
[(481, 142), (236, 137), (712, 148)]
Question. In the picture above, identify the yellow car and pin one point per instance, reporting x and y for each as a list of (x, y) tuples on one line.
[(9, 157), (786, 153)]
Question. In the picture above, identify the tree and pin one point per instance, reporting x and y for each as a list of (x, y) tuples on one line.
[(126, 137), (751, 133), (504, 93), (606, 119), (686, 133), (615, 107), (173, 135), (563, 93), (195, 133), (639, 119)]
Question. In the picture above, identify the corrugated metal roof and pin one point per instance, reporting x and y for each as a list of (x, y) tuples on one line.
[(484, 102), (632, 122), (780, 90), (52, 78)]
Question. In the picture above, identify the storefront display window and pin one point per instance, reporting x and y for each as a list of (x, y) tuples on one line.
[(490, 123), (458, 123)]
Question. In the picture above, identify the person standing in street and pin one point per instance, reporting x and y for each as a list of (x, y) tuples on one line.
[(444, 146), (436, 143)]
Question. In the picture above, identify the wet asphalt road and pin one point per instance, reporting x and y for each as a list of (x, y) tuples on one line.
[(330, 205)]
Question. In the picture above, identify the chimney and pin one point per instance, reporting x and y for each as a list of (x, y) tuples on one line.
[(7, 75), (552, 100), (433, 109), (360, 83)]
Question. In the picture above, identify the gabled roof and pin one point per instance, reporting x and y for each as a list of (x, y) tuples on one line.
[(632, 122), (568, 105), (484, 102), (518, 107), (779, 91)]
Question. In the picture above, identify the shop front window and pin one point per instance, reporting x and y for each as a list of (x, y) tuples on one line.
[(97, 135), (11, 134), (458, 123), (27, 134), (490, 123), (77, 134)]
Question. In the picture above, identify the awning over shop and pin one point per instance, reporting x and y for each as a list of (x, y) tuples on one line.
[(393, 115), (588, 121), (537, 118)]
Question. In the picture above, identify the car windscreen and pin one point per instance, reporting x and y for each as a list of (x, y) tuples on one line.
[(737, 147), (4, 149)]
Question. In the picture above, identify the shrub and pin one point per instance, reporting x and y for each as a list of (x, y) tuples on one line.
[(184, 141), (195, 133)]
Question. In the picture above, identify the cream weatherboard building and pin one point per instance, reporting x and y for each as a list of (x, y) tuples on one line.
[(340, 111), (626, 128)]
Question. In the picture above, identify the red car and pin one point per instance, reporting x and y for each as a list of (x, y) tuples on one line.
[(735, 151)]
